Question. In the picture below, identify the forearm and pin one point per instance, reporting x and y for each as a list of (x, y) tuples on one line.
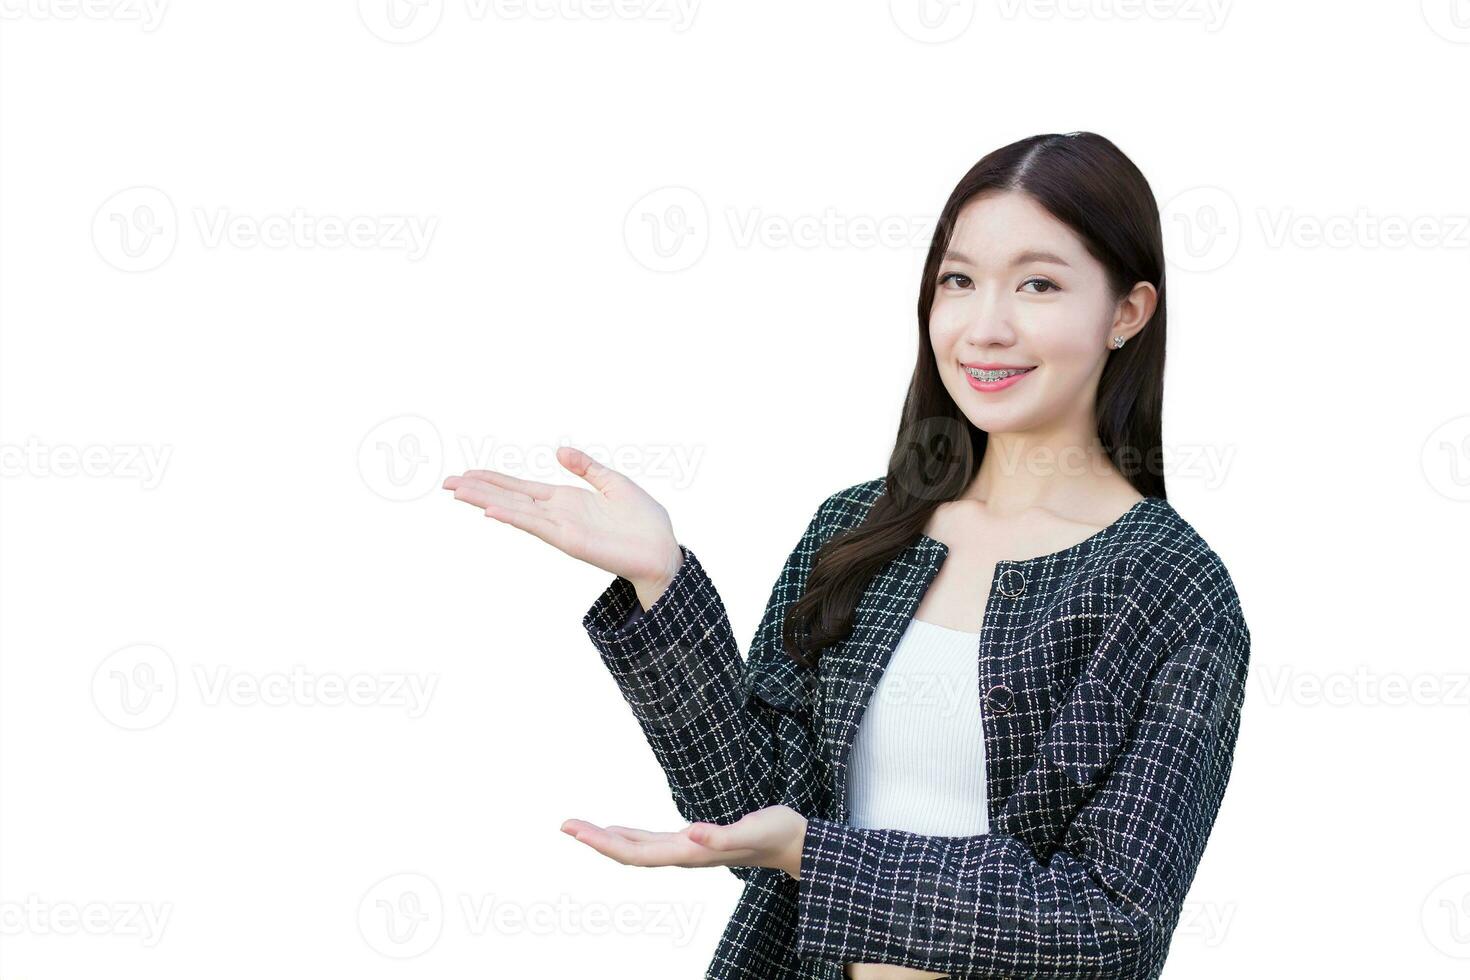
[(966, 906), (679, 667)]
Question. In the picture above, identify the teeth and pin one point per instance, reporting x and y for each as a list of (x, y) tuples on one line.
[(995, 375)]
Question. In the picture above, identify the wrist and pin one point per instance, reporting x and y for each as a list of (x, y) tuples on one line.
[(651, 590), (792, 863)]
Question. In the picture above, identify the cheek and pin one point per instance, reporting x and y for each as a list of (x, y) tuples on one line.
[(945, 327), (1062, 337)]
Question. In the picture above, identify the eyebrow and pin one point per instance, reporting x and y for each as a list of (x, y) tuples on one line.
[(1031, 255)]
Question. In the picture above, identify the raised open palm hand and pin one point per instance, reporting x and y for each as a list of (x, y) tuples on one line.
[(770, 837), (615, 525)]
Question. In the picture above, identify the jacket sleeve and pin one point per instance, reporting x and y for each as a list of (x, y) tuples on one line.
[(1105, 903), (731, 735)]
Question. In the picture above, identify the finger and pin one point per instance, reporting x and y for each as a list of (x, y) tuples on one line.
[(642, 854), (587, 468), (527, 488), (479, 493), (637, 833), (530, 516), (630, 833), (458, 483)]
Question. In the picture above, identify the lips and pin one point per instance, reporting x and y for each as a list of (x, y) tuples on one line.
[(995, 379)]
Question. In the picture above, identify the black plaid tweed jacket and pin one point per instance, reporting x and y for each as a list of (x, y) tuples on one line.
[(1112, 675)]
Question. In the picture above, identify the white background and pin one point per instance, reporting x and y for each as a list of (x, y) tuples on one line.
[(224, 433)]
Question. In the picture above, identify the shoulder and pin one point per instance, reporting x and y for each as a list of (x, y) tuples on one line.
[(1164, 558), (846, 508), (856, 498)]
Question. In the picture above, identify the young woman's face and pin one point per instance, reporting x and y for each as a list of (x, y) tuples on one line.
[(1018, 289)]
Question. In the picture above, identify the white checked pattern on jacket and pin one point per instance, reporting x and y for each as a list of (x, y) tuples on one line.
[(1113, 674)]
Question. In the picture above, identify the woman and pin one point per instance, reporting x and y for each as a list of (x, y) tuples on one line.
[(1049, 820)]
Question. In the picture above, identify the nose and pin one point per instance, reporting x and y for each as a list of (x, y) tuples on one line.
[(989, 322)]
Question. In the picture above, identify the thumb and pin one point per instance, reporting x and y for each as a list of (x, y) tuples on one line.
[(586, 467), (708, 834)]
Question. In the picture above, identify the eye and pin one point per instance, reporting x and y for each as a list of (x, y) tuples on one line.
[(1041, 281), (954, 275)]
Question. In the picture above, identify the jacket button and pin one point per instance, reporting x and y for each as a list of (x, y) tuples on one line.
[(1012, 582), (999, 699)]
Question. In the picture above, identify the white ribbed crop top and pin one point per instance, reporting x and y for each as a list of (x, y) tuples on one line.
[(918, 761)]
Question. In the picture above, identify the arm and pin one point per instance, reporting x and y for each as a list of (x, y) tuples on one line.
[(729, 735), (1107, 901)]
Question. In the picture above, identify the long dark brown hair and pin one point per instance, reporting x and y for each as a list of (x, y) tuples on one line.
[(1087, 183)]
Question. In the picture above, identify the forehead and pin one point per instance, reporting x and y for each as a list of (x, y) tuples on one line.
[(993, 226)]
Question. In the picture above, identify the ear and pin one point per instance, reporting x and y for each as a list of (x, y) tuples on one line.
[(1134, 311)]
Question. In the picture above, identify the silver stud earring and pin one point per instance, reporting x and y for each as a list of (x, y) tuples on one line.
[(1117, 342)]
